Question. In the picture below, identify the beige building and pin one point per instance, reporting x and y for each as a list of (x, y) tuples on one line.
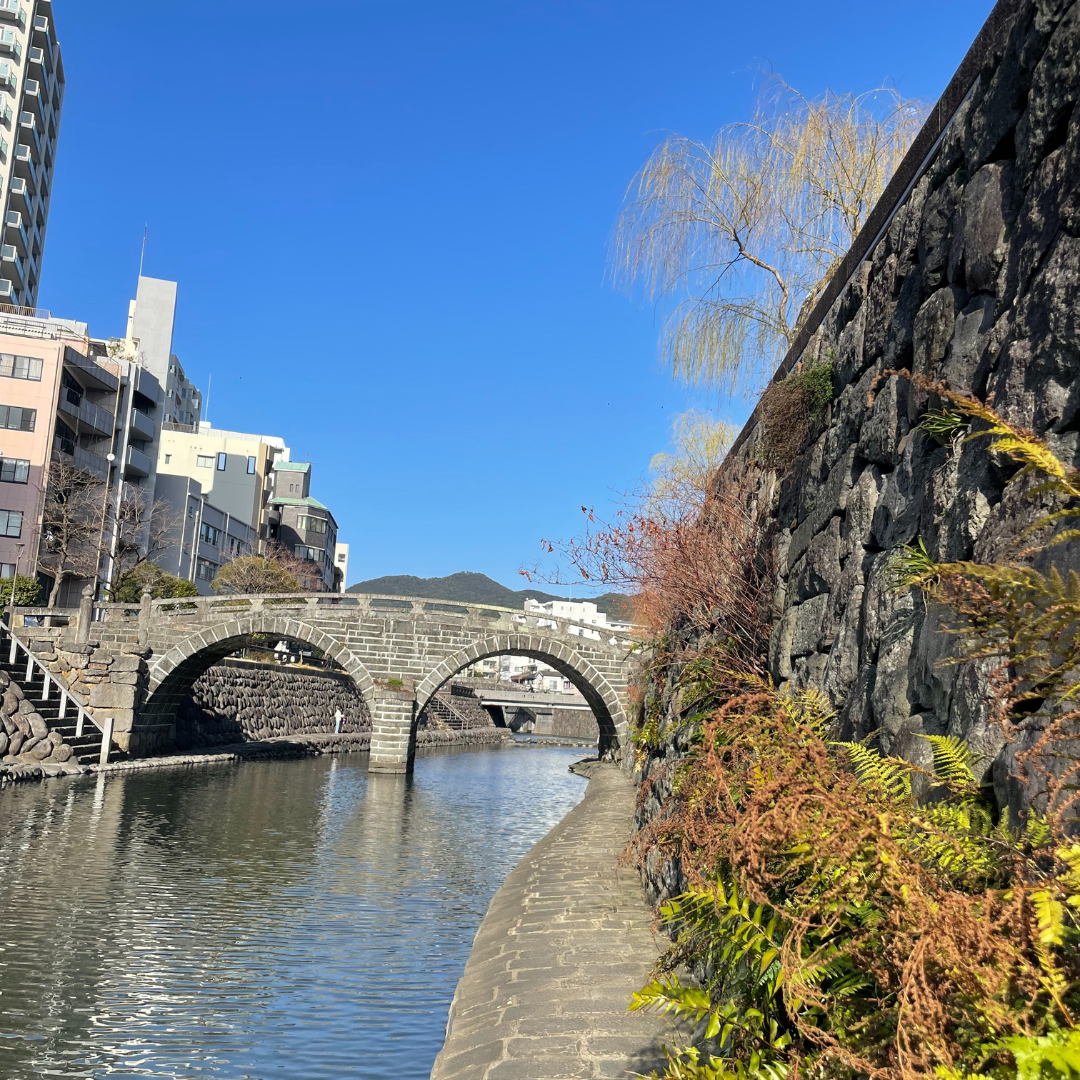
[(341, 566), (234, 470), (31, 98)]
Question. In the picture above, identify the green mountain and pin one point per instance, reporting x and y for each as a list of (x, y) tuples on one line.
[(467, 588)]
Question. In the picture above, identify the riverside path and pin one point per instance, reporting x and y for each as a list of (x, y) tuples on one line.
[(566, 941)]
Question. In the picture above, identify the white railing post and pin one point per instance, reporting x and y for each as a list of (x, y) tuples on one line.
[(45, 685), (106, 740), (14, 641), (29, 666)]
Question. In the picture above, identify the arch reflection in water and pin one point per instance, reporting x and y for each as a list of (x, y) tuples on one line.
[(277, 919)]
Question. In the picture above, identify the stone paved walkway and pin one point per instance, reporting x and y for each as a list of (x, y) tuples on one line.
[(566, 941)]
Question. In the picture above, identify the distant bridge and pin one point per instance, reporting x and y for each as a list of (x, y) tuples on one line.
[(398, 651)]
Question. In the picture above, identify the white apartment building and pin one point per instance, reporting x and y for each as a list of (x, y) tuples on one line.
[(31, 99), (341, 564), (581, 613)]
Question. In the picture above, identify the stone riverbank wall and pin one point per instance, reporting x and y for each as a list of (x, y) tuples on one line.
[(243, 701), (969, 273)]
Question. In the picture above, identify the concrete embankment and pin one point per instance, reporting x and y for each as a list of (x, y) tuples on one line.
[(566, 941)]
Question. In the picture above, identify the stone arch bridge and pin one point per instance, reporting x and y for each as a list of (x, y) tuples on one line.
[(397, 650)]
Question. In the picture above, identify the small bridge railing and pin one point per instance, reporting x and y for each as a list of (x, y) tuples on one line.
[(49, 682)]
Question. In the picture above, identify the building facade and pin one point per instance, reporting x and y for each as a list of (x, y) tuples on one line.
[(206, 537), (64, 399), (302, 524), (341, 565), (233, 469), (31, 100)]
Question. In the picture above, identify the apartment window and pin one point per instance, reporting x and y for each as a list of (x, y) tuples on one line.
[(168, 458), (222, 461), (294, 488), (205, 570), (11, 523), (15, 419), (20, 367), (209, 535), (191, 510), (311, 524), (306, 552), (251, 466), (204, 461), (7, 570), (14, 471)]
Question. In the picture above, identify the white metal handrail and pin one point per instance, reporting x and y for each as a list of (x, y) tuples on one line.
[(66, 695)]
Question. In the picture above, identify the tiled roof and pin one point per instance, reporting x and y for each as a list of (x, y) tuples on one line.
[(293, 466), (284, 500)]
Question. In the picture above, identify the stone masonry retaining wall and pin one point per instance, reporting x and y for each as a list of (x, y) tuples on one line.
[(974, 281), (241, 701)]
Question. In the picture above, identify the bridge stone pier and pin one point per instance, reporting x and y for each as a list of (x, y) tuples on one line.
[(397, 650)]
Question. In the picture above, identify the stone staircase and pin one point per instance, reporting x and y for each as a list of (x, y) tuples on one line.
[(40, 722), (456, 708)]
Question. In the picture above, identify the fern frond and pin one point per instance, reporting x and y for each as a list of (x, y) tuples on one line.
[(953, 761), (890, 775)]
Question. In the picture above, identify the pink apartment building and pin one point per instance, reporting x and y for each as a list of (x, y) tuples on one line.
[(61, 397)]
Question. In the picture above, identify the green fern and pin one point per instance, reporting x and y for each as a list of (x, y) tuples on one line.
[(890, 775)]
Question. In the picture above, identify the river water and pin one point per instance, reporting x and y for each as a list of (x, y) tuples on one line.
[(295, 919)]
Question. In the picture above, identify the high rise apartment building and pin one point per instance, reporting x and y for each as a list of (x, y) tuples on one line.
[(31, 98)]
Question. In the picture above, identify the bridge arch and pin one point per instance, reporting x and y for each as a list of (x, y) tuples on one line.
[(174, 672), (595, 687)]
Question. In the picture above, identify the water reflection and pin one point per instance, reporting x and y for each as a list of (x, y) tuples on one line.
[(284, 919)]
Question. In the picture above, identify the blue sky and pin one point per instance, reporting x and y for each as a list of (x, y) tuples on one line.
[(389, 221)]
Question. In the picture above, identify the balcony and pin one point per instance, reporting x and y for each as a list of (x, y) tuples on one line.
[(9, 293), (97, 375), (83, 459), (146, 384), (10, 45), (25, 166), (29, 129), (14, 231), (22, 197), (143, 425), (12, 11), (11, 262), (138, 464)]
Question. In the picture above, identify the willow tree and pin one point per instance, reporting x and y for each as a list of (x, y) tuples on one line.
[(740, 235)]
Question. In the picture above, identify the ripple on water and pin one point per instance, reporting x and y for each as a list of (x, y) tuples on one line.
[(275, 919)]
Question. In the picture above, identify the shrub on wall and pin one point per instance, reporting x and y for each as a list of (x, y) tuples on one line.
[(839, 924)]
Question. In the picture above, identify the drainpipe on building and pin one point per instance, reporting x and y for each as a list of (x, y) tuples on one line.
[(125, 442), (108, 478), (196, 539)]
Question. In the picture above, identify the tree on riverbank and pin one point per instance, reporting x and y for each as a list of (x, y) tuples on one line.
[(741, 233)]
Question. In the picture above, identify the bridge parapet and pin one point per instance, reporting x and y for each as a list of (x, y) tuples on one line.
[(398, 650)]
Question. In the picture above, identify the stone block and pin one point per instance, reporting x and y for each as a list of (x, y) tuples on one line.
[(38, 728), (809, 618), (128, 662), (108, 695), (124, 678), (102, 657)]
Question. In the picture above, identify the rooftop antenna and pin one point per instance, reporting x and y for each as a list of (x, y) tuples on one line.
[(142, 257), (206, 403)]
